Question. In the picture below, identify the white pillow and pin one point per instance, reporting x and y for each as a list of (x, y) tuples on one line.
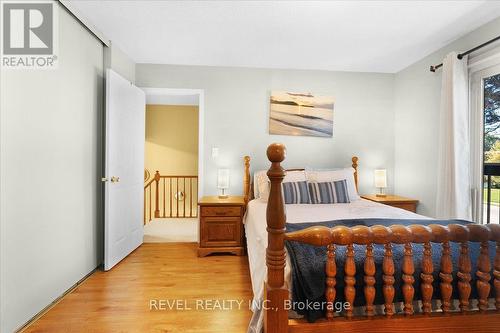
[(295, 176), (264, 186), (334, 175)]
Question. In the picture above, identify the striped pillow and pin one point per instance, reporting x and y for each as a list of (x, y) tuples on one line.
[(329, 192), (295, 193)]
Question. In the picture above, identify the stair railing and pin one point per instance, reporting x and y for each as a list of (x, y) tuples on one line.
[(170, 196)]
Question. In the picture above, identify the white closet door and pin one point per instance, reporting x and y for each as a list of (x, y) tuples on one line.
[(124, 193)]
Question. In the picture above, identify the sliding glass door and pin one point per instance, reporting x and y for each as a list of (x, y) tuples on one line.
[(486, 110), (491, 149)]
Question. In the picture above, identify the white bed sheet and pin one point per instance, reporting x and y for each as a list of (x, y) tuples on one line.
[(255, 228)]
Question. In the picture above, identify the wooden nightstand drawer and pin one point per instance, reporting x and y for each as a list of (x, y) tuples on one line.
[(394, 201), (220, 231), (412, 207), (221, 211)]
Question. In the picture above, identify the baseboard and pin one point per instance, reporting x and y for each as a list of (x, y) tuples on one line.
[(56, 301)]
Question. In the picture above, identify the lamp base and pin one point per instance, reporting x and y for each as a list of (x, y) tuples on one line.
[(223, 194)]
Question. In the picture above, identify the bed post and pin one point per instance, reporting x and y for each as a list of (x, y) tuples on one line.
[(355, 167), (275, 314), (246, 180)]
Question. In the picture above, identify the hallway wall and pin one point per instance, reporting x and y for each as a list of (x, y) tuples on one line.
[(172, 139)]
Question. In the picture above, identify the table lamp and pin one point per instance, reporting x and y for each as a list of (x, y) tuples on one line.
[(223, 182), (380, 179)]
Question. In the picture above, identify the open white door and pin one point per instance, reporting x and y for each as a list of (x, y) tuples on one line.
[(124, 170)]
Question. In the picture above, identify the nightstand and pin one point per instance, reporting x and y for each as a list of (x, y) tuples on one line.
[(394, 201), (221, 225)]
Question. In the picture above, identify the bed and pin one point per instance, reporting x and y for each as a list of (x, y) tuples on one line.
[(271, 269)]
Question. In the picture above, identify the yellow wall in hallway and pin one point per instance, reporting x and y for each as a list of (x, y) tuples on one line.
[(172, 139)]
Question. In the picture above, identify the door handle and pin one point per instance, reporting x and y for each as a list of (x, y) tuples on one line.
[(104, 179), (115, 179)]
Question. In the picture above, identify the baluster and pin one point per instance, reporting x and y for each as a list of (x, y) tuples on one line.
[(427, 278), (483, 275), (184, 191), (150, 203), (388, 269), (190, 197), (157, 194), (369, 280), (196, 197), (408, 270), (164, 196), (331, 272), (170, 178), (496, 274), (177, 197), (464, 277), (350, 280), (446, 277)]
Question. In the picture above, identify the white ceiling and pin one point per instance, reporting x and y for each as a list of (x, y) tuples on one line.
[(365, 36)]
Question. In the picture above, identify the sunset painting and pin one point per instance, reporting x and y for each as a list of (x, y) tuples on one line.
[(300, 114)]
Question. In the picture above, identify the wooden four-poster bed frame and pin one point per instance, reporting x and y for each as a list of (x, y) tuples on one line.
[(482, 320)]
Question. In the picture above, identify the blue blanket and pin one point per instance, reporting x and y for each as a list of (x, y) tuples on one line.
[(308, 265)]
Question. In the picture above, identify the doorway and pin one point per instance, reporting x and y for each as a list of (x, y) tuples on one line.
[(173, 164)]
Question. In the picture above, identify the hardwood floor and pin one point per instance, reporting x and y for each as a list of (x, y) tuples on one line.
[(119, 300)]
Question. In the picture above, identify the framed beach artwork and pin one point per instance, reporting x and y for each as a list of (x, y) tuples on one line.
[(302, 114)]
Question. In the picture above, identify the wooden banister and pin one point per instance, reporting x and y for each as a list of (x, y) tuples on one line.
[(163, 193)]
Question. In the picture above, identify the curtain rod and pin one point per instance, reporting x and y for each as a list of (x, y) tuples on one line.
[(461, 55)]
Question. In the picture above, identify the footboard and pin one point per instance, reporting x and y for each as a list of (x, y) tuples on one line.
[(480, 320)]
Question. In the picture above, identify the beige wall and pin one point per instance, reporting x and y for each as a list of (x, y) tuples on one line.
[(236, 118), (172, 139)]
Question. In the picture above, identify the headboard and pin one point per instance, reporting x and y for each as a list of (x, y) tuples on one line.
[(248, 183)]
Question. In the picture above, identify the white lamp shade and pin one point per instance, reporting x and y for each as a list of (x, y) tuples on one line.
[(380, 178), (223, 178)]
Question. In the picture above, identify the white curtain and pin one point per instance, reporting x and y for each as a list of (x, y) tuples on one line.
[(453, 184)]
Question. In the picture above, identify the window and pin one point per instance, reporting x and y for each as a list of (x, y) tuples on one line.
[(486, 109), (491, 149)]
